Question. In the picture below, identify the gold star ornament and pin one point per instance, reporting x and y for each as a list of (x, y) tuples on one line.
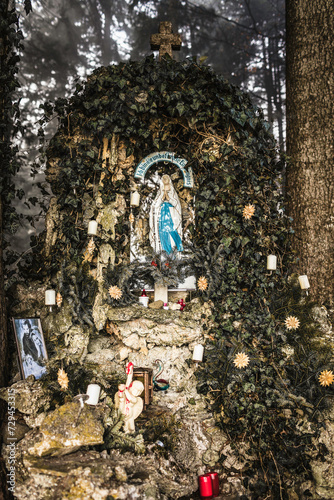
[(115, 292), (241, 360), (326, 377), (62, 379), (248, 211), (202, 283), (292, 323)]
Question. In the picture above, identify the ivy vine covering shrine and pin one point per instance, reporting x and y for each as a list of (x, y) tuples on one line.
[(162, 171)]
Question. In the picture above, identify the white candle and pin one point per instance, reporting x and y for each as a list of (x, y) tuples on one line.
[(198, 352), (134, 199), (304, 283), (50, 297), (271, 262), (92, 227), (144, 301), (93, 391)]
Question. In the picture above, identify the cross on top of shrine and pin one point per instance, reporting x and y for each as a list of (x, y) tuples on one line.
[(165, 41)]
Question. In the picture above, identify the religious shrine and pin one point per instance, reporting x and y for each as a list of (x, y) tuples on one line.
[(155, 363)]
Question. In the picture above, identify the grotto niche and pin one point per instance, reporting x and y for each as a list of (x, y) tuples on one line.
[(218, 156)]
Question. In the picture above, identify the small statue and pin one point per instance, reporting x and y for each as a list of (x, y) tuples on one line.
[(127, 400), (166, 219)]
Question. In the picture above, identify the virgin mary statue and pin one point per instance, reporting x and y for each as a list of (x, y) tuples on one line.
[(166, 219)]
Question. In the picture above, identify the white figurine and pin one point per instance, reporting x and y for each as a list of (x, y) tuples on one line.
[(128, 401)]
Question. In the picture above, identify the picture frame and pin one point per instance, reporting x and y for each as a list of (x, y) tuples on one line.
[(31, 347)]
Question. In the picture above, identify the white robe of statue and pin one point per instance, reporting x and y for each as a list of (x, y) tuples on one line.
[(166, 219)]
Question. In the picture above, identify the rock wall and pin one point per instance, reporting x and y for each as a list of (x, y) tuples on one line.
[(170, 467)]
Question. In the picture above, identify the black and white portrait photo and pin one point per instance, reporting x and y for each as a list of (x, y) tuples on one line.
[(31, 346)]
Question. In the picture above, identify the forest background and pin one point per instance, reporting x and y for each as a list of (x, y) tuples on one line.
[(64, 42), (44, 53)]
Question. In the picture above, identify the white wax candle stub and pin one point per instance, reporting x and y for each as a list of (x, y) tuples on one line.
[(198, 352), (304, 283), (93, 391), (134, 199), (92, 227), (144, 301), (271, 262), (50, 297)]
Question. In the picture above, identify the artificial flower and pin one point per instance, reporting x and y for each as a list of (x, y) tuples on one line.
[(62, 379), (326, 377), (248, 211), (59, 299), (292, 323), (88, 255), (115, 292), (241, 360), (202, 283)]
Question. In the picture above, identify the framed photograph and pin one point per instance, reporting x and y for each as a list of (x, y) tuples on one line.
[(31, 346)]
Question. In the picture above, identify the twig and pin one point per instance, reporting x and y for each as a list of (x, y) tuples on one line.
[(279, 477)]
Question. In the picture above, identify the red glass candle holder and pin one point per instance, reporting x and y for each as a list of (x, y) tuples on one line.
[(205, 486), (215, 483)]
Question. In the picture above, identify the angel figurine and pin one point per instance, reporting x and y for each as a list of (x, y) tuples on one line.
[(127, 400)]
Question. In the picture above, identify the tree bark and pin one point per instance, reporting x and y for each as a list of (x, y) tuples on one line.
[(310, 140), (6, 126)]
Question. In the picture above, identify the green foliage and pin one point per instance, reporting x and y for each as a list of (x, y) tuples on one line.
[(116, 438), (10, 125), (187, 109), (77, 285), (133, 277), (164, 431)]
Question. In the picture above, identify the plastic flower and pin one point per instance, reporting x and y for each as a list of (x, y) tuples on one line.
[(248, 211), (241, 360), (59, 299), (292, 323), (115, 292), (326, 377), (88, 255), (202, 283), (62, 379)]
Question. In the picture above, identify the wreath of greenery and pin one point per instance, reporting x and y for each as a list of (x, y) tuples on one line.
[(185, 108)]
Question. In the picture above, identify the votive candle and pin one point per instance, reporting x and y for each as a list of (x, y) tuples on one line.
[(50, 297), (134, 199), (215, 483), (198, 352), (93, 391), (92, 227), (205, 486), (271, 262), (304, 283)]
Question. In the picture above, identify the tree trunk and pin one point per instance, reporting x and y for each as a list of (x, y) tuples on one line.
[(6, 123), (310, 140)]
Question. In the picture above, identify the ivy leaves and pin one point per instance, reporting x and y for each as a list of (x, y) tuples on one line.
[(187, 109)]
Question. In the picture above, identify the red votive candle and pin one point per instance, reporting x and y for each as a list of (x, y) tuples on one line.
[(215, 483), (205, 486)]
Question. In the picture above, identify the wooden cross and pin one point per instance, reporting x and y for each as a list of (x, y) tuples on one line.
[(165, 41)]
